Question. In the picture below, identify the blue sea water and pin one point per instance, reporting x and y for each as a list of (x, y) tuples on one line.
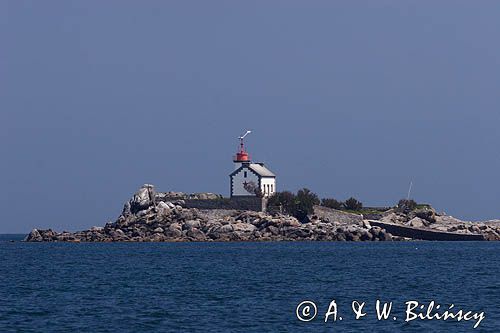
[(241, 287)]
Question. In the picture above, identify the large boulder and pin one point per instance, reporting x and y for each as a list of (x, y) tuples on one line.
[(393, 217), (142, 199), (34, 236), (196, 234), (426, 213), (417, 222), (244, 227), (192, 224), (163, 209)]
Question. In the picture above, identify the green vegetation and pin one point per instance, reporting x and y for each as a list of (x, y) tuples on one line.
[(406, 205), (332, 203), (302, 204), (299, 205), (353, 204)]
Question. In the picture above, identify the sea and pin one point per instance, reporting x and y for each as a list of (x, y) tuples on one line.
[(247, 287)]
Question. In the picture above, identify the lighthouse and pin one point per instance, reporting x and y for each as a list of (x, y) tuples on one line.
[(250, 179)]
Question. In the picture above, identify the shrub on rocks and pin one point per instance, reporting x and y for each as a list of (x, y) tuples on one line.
[(406, 205), (299, 205), (332, 203), (353, 204)]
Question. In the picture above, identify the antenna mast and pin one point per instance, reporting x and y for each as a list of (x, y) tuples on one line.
[(409, 191), (242, 155), (242, 144)]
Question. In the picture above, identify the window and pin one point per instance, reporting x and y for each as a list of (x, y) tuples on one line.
[(245, 174), (272, 189)]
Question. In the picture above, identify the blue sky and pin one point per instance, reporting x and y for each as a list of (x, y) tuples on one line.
[(346, 98)]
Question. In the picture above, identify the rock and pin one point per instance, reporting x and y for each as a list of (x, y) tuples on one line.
[(375, 231), (205, 196), (196, 234), (340, 237), (244, 227), (118, 234), (291, 222), (475, 229), (163, 209), (417, 222), (142, 199), (158, 230), (34, 236), (192, 224), (353, 237), (273, 230), (157, 237), (425, 213), (126, 209), (150, 216), (385, 236), (366, 235), (174, 230), (333, 215), (226, 228), (396, 218)]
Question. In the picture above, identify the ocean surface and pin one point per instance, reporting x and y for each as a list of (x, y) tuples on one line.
[(242, 287)]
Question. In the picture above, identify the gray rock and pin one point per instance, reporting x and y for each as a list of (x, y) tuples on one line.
[(163, 209), (385, 236), (126, 209), (366, 235), (142, 199), (273, 230), (425, 213), (417, 222), (225, 228), (192, 224), (244, 227), (34, 236), (196, 234)]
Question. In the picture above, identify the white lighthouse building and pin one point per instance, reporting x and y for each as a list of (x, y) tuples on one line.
[(250, 179)]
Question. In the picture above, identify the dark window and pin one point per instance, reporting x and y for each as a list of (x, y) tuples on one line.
[(245, 174)]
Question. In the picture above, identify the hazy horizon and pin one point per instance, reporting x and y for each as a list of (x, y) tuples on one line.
[(345, 98)]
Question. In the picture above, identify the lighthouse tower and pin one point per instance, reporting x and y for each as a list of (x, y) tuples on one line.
[(241, 156), (250, 179)]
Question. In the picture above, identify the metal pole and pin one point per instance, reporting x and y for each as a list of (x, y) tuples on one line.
[(409, 190)]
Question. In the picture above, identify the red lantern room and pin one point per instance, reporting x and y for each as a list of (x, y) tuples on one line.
[(242, 155)]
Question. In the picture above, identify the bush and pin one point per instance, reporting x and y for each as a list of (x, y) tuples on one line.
[(299, 205), (406, 206), (304, 203), (285, 200), (332, 203), (353, 204)]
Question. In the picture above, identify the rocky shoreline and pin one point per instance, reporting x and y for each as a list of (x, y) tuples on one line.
[(161, 217)]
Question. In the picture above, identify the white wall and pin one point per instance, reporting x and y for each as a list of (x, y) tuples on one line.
[(268, 186), (239, 179)]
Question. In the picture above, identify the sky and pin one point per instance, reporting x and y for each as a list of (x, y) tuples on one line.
[(347, 98)]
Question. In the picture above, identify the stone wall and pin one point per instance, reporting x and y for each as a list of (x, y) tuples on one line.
[(334, 215), (235, 203), (423, 234)]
